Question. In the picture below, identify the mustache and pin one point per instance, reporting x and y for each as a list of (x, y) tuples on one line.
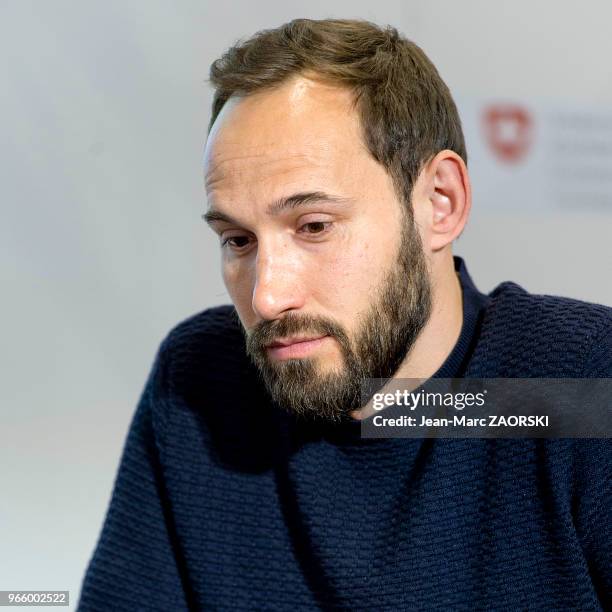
[(266, 332)]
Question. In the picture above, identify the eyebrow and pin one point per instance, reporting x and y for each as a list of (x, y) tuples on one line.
[(287, 203)]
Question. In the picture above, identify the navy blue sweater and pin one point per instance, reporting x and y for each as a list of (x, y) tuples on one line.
[(222, 502)]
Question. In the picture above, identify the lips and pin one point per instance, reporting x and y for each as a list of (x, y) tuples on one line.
[(290, 341), (295, 348)]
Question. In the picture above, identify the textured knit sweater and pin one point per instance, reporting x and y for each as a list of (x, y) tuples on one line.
[(224, 502)]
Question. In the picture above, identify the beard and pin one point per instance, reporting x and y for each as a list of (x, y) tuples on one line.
[(385, 335)]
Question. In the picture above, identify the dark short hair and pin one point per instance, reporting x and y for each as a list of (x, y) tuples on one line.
[(406, 110)]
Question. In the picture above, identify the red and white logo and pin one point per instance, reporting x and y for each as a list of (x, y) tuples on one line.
[(508, 130)]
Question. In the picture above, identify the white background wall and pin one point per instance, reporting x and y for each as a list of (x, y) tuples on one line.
[(104, 108)]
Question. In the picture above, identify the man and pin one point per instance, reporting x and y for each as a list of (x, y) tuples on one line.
[(335, 170)]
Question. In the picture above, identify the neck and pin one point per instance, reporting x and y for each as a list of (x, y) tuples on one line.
[(441, 332)]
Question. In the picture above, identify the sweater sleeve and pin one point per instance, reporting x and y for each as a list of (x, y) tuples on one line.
[(594, 514), (596, 508), (135, 565)]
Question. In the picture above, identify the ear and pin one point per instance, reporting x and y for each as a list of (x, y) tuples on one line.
[(450, 197)]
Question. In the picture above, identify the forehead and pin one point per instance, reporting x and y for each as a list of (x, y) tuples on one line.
[(304, 130)]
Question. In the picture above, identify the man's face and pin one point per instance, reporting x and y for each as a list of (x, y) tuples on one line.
[(327, 276)]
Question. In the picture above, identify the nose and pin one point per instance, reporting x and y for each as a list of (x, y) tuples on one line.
[(278, 284)]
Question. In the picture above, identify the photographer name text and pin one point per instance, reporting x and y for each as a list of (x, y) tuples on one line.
[(462, 421)]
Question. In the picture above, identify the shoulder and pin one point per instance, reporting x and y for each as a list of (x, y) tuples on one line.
[(211, 392), (547, 335), (550, 313), (213, 325), (205, 348)]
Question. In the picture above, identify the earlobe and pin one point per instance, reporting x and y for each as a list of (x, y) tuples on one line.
[(450, 198)]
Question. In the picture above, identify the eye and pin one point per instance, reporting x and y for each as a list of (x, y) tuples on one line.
[(315, 227), (238, 243)]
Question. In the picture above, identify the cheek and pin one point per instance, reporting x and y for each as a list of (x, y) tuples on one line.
[(240, 289), (349, 279)]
